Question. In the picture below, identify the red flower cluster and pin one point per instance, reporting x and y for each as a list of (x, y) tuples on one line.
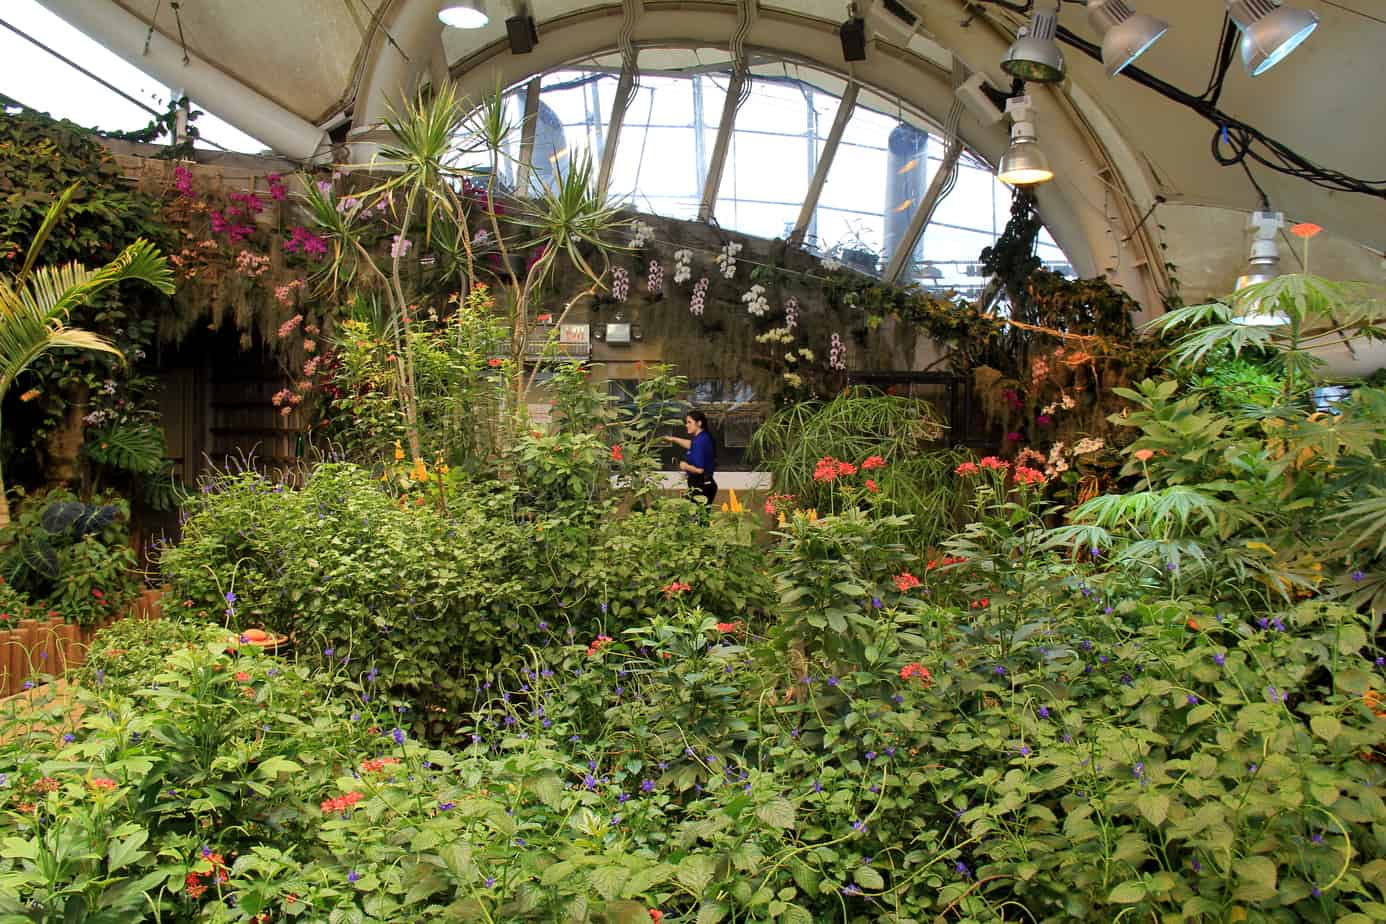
[(376, 764), (1026, 475), (616, 455), (193, 881), (871, 485), (979, 604), (779, 503), (994, 462), (242, 676), (102, 783), (597, 644), (728, 626), (917, 670), (829, 469), (677, 587), (46, 784), (905, 581), (873, 462), (341, 803), (944, 562), (967, 468)]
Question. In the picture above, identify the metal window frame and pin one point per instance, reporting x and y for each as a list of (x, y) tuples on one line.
[(846, 105)]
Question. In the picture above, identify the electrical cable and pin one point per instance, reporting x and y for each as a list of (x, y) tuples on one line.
[(1245, 140)]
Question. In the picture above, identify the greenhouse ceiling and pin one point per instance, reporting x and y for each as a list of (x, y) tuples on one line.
[(1130, 161)]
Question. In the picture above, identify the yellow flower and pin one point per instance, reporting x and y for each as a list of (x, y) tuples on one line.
[(783, 521), (813, 515), (443, 469), (733, 505), (420, 472), (399, 452)]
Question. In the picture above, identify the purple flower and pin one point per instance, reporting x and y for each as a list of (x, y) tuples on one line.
[(851, 890), (1192, 699), (490, 881), (859, 826), (647, 786), (69, 737), (543, 626), (961, 869), (353, 876), (1317, 838), (1024, 751), (832, 681), (890, 751), (1044, 712), (1196, 866), (1358, 576), (622, 798), (589, 781), (398, 735), (1000, 671), (328, 652), (1138, 771), (870, 755), (446, 806), (876, 603), (817, 785), (1219, 659)]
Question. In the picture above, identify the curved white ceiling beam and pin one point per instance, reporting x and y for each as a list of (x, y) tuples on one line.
[(402, 52), (1080, 206), (252, 113)]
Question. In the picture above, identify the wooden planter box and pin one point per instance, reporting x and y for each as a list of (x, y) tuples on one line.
[(38, 649)]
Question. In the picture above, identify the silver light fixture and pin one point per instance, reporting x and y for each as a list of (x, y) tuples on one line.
[(1125, 33), (1263, 266), (1034, 56), (1269, 31), (463, 14), (1024, 163)]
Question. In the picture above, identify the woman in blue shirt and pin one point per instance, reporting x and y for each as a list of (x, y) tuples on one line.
[(700, 463)]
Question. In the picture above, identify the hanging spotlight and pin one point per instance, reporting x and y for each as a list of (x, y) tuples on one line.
[(1269, 31), (1126, 34), (1263, 266), (1023, 164), (1034, 56), (464, 14)]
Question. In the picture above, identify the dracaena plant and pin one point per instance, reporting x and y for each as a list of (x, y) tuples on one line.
[(432, 194), (36, 301)]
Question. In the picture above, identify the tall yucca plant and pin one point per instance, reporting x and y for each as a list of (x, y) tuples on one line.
[(36, 301)]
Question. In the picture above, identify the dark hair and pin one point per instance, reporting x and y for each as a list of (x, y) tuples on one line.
[(698, 416)]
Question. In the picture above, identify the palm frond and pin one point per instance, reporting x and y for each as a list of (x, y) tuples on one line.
[(45, 228)]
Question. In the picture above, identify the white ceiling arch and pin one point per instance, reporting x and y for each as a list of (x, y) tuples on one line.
[(1087, 210)]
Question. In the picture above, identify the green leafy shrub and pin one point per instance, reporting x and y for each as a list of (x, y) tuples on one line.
[(435, 595)]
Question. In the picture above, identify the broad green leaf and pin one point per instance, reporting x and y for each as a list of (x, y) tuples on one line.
[(696, 871), (777, 813), (868, 878), (1128, 893), (122, 853), (1154, 806), (608, 880), (1256, 878), (1326, 727)]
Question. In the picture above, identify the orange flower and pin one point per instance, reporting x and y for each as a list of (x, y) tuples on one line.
[(103, 783), (656, 915), (1027, 475), (1191, 624), (616, 455), (242, 676), (967, 468), (597, 644), (676, 587), (1145, 455), (728, 626), (994, 463), (1305, 229), (873, 462), (904, 581), (871, 486)]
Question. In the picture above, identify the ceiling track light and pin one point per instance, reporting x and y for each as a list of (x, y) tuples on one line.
[(1269, 31), (1024, 163), (1034, 56), (463, 14), (1126, 34), (1263, 265)]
